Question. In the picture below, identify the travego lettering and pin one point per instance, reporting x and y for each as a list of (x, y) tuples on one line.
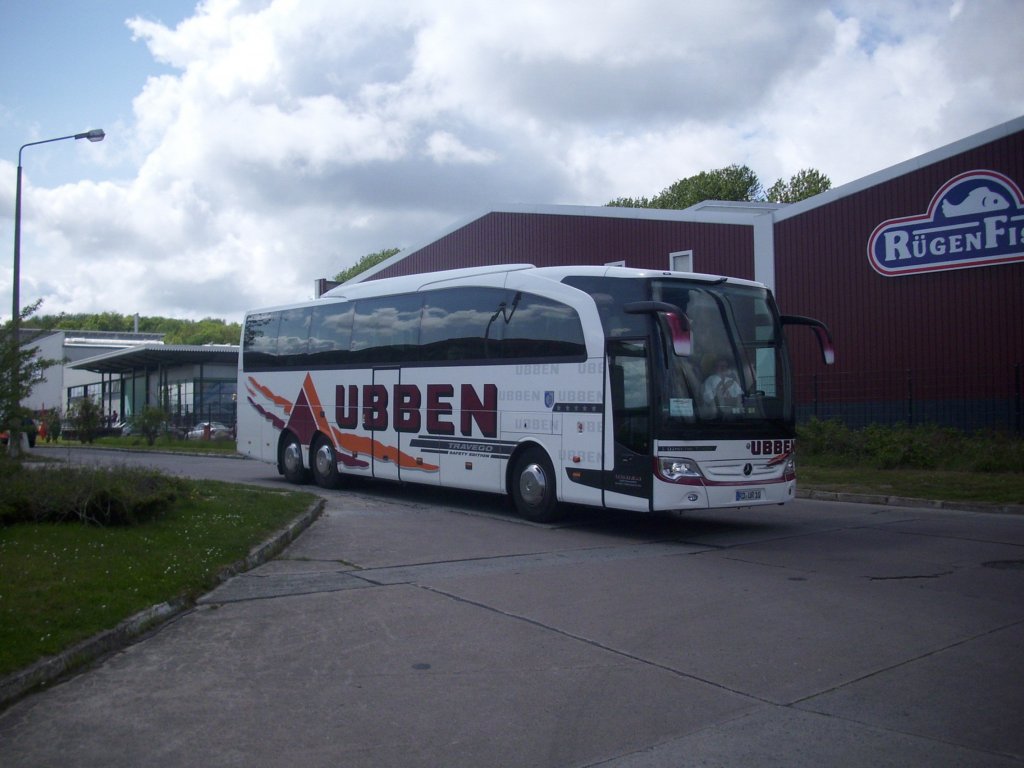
[(406, 408)]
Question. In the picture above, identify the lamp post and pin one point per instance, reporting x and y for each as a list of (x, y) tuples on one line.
[(96, 134)]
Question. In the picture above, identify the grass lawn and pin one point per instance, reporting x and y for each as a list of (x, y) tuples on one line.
[(922, 462), (163, 443), (61, 583), (947, 485)]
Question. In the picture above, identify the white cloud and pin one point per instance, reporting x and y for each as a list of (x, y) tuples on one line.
[(445, 147), (293, 136)]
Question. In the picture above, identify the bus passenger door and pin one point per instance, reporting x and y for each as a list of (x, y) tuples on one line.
[(378, 421), (629, 482)]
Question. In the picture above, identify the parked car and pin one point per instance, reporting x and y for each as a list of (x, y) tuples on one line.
[(29, 427), (212, 430)]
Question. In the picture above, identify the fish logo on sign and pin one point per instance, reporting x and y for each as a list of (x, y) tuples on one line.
[(975, 219)]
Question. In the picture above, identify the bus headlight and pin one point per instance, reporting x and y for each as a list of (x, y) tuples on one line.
[(679, 470)]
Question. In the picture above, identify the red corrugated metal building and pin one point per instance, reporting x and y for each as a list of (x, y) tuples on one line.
[(918, 270)]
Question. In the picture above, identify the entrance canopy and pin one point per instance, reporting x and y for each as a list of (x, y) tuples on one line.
[(155, 356)]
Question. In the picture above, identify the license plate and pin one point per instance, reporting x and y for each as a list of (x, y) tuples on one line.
[(754, 494)]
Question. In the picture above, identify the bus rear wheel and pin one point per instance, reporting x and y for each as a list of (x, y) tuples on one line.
[(291, 461), (324, 463), (533, 487)]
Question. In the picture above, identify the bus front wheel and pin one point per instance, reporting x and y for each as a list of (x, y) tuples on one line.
[(533, 486), (291, 461), (324, 463)]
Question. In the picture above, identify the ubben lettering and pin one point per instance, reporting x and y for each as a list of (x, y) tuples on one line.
[(405, 408)]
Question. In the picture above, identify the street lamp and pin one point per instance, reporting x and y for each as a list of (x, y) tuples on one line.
[(96, 134)]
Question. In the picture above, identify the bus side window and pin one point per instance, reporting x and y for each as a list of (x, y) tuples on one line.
[(630, 394), (259, 343), (456, 324), (293, 337), (330, 334), (386, 329), (540, 327), (610, 295)]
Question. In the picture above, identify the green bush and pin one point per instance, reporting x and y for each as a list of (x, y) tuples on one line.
[(149, 423), (826, 438), (994, 452), (85, 418), (901, 447), (925, 447), (108, 496), (54, 424)]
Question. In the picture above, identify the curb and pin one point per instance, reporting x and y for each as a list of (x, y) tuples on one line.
[(903, 501), (48, 670), (125, 449)]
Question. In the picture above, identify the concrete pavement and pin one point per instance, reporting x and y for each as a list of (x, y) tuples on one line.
[(412, 627)]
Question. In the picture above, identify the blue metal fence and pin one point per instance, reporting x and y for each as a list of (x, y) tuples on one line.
[(987, 399)]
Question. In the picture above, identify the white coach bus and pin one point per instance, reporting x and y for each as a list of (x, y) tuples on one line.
[(604, 386)]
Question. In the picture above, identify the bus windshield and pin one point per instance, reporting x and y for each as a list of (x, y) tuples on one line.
[(736, 372), (736, 379)]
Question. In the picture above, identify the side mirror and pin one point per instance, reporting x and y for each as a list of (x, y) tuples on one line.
[(828, 352), (677, 322), (679, 329)]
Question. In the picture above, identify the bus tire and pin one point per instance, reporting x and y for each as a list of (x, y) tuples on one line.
[(323, 461), (533, 486), (291, 460)]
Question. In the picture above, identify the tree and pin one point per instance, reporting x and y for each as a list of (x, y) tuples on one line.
[(20, 371), (734, 182), (364, 263), (150, 423), (209, 330), (85, 418), (53, 420), (630, 202), (803, 184)]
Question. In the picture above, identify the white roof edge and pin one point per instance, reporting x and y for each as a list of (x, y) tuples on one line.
[(154, 347), (420, 280), (900, 169), (706, 212)]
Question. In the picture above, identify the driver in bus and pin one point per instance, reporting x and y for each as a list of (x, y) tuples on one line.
[(722, 386)]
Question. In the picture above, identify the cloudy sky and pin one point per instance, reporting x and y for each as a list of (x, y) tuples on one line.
[(256, 145)]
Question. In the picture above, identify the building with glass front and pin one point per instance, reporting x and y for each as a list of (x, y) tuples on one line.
[(189, 383)]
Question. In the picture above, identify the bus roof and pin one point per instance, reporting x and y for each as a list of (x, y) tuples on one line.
[(420, 281), (557, 273), (408, 283)]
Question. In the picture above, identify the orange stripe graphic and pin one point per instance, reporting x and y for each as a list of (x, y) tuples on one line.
[(355, 444), (276, 399)]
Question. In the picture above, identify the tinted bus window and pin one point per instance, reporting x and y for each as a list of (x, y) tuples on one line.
[(293, 336), (461, 324), (386, 329), (330, 334), (259, 342), (539, 327), (611, 294)]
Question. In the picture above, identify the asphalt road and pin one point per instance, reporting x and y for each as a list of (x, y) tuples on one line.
[(415, 627)]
